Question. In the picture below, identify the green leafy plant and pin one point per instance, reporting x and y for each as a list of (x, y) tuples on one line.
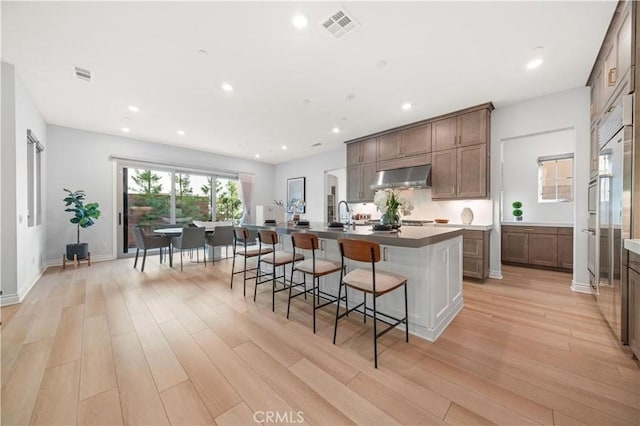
[(516, 208), (83, 214)]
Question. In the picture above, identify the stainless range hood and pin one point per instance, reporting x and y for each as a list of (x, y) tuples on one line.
[(406, 177)]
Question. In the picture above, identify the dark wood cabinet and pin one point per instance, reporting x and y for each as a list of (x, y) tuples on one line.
[(443, 174), (405, 143), (416, 140), (543, 249), (515, 246), (475, 254), (544, 246), (359, 180), (414, 160), (565, 248), (471, 171), (363, 152), (466, 129)]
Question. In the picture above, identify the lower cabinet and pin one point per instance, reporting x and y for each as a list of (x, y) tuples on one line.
[(634, 304), (545, 246), (475, 254)]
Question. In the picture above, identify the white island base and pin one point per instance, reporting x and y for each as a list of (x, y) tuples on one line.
[(434, 273)]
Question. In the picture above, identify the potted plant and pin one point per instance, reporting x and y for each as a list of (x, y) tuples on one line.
[(517, 213), (83, 217)]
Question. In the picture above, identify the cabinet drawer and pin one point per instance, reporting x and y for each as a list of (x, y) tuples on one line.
[(472, 248), (565, 231), (634, 261), (472, 267), (531, 229), (472, 234)]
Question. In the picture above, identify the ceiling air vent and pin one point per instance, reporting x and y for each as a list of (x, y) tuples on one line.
[(339, 23), (83, 74)]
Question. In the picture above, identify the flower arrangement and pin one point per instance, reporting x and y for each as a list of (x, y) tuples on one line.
[(391, 205)]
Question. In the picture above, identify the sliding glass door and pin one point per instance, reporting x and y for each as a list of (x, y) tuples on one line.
[(157, 198)]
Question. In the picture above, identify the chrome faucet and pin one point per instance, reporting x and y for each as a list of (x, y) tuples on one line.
[(346, 205)]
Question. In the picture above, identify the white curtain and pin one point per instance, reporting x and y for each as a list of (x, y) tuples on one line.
[(246, 194)]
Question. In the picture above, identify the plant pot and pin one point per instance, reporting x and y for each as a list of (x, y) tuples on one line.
[(81, 250), (518, 218)]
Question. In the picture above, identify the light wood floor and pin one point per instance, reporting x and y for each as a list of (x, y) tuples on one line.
[(107, 344)]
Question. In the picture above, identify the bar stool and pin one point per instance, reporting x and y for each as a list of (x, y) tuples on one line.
[(275, 259), (369, 281), (241, 236), (316, 268)]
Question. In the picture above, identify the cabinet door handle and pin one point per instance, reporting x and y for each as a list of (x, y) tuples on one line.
[(384, 254), (528, 229), (612, 77)]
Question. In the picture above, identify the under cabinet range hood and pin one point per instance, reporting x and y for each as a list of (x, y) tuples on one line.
[(406, 177)]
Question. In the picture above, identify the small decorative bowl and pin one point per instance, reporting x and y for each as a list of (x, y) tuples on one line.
[(441, 220)]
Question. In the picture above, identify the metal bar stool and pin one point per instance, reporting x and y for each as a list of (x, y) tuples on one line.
[(241, 237), (275, 259), (316, 268), (369, 281)]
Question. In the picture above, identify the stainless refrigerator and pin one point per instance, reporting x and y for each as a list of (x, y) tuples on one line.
[(614, 216)]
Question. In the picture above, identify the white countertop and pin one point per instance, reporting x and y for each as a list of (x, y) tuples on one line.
[(557, 224), (632, 245), (459, 225)]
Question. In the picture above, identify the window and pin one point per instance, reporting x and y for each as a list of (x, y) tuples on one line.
[(34, 179), (555, 178)]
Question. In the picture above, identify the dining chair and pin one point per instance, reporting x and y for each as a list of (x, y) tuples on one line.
[(370, 282), (221, 236), (191, 238), (146, 241)]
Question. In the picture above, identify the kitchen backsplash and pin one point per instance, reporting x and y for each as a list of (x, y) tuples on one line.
[(427, 209)]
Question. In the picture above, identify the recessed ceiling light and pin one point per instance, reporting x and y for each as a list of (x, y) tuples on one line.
[(316, 144), (300, 21), (284, 147), (227, 87), (257, 155), (306, 101), (349, 97), (180, 132), (407, 106), (536, 59), (335, 130), (343, 118), (126, 129), (133, 108), (381, 63), (203, 52)]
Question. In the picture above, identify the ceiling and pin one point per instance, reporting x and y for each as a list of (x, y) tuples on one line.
[(291, 86)]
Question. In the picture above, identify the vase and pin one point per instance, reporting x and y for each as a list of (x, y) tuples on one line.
[(391, 219), (466, 216)]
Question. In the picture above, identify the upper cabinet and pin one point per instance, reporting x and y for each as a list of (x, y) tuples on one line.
[(456, 145), (463, 130), (363, 152), (405, 143)]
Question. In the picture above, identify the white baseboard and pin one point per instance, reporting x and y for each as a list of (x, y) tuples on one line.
[(9, 299), (496, 274), (101, 258), (581, 288), (12, 299)]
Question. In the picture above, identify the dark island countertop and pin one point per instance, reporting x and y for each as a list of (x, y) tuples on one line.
[(409, 236)]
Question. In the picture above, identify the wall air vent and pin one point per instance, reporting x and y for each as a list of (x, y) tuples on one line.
[(339, 23), (316, 144), (83, 74)]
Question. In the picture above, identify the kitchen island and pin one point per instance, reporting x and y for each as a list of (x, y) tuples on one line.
[(430, 258)]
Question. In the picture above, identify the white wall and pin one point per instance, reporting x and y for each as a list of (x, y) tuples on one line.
[(563, 110), (427, 209), (80, 160), (23, 247), (520, 176), (312, 168)]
